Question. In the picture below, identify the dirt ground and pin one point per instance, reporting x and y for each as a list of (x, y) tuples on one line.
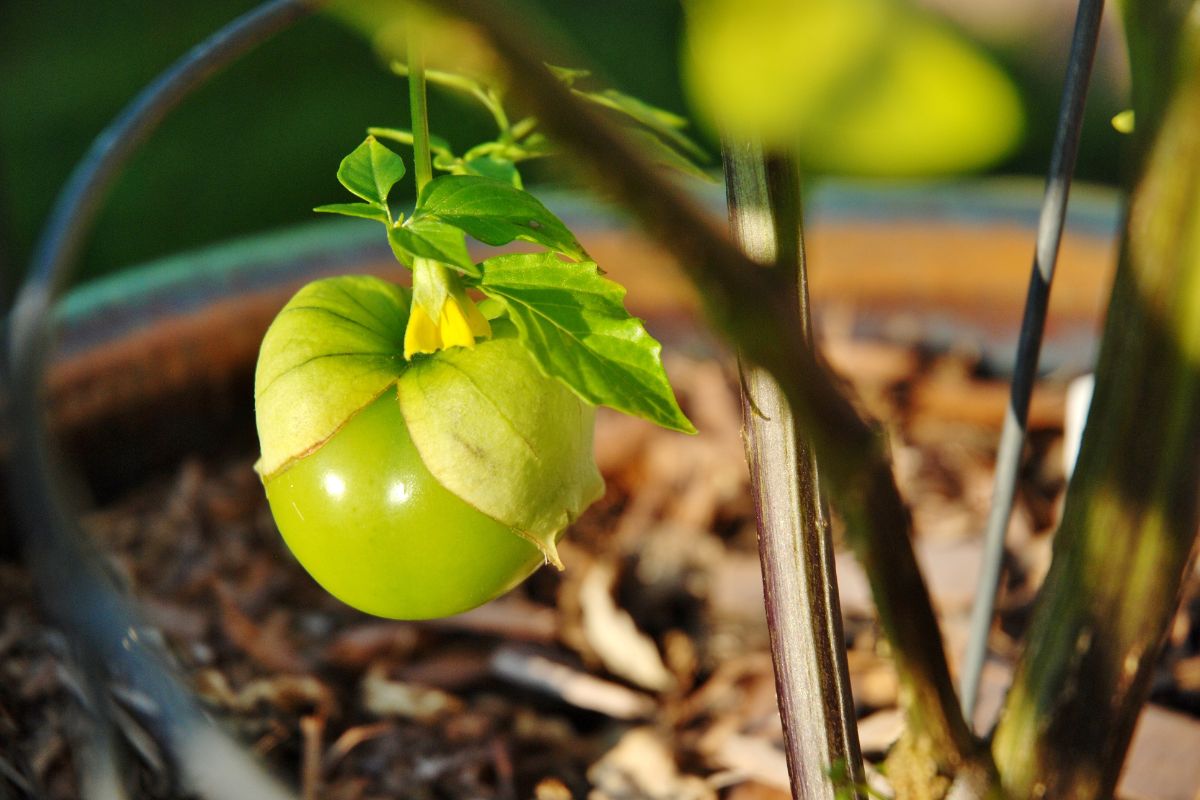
[(641, 671)]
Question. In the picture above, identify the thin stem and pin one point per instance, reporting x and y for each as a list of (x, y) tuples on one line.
[(496, 106), (1128, 532), (487, 96), (422, 162), (747, 303), (795, 547), (1012, 439)]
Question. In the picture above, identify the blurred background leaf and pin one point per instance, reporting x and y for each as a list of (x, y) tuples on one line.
[(259, 146), (866, 87)]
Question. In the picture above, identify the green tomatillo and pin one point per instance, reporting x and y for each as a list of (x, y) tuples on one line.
[(414, 489), (419, 457)]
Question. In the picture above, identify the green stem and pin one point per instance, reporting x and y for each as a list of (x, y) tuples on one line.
[(422, 162), (748, 304), (795, 545), (1128, 532)]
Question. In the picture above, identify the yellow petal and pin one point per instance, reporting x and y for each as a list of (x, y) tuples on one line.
[(477, 321), (456, 330), (421, 335)]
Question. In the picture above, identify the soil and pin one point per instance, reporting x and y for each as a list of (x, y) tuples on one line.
[(641, 671)]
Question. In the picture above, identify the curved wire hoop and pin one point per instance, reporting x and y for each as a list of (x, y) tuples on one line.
[(78, 596)]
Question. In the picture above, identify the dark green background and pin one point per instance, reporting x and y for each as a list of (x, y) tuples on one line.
[(258, 146)]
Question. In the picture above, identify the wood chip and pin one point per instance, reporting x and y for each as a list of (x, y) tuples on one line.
[(614, 637), (572, 686), (266, 645), (879, 731), (390, 698), (363, 644), (551, 789), (752, 757), (641, 767), (511, 617)]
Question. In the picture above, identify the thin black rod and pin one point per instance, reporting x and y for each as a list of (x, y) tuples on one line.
[(1029, 345), (75, 591)]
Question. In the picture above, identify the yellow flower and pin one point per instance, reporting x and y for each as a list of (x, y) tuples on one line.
[(457, 324)]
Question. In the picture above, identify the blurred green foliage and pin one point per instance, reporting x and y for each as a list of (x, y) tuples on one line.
[(870, 87), (257, 147)]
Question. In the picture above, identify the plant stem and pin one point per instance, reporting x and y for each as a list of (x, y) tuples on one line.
[(795, 548), (1012, 438), (422, 162), (1129, 524), (747, 303)]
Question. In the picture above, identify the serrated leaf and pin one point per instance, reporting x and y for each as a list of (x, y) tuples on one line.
[(495, 213), (431, 238), (664, 123), (370, 171), (575, 324), (363, 210), (346, 332), (496, 432)]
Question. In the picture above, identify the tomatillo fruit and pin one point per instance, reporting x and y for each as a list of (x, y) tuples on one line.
[(370, 523), (422, 487)]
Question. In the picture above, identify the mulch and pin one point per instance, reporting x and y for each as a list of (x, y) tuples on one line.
[(641, 671)]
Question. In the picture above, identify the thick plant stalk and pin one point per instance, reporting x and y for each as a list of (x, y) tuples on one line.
[(795, 548), (1129, 525), (747, 304)]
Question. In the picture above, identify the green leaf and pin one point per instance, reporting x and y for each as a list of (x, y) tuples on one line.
[(496, 168), (437, 144), (431, 238), (499, 434), (345, 332), (568, 75), (664, 155), (364, 210), (574, 323), (869, 87), (495, 213), (371, 171), (663, 123)]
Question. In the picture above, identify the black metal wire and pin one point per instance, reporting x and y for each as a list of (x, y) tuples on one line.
[(1012, 438), (75, 591)]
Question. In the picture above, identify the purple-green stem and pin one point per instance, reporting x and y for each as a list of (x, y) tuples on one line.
[(795, 545), (745, 302)]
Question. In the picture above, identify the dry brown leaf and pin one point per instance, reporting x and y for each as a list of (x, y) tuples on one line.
[(614, 637), (537, 672), (641, 767), (384, 697)]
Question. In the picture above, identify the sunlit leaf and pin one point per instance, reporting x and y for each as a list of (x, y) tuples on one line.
[(363, 210), (494, 212), (370, 171), (575, 324), (428, 237)]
